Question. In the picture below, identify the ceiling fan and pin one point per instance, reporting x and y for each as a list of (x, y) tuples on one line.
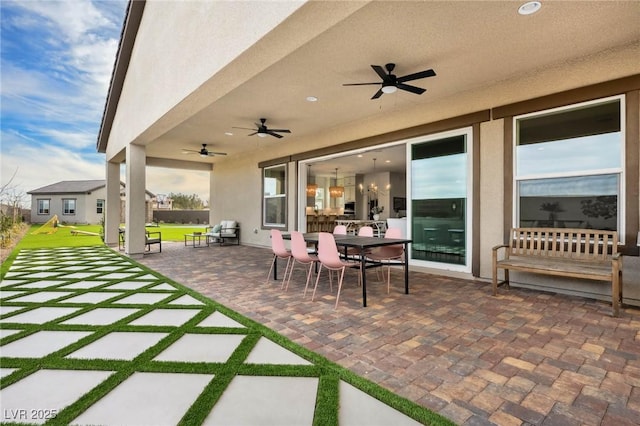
[(262, 130), (204, 152), (391, 83)]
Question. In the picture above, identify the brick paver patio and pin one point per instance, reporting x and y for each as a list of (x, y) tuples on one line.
[(523, 357)]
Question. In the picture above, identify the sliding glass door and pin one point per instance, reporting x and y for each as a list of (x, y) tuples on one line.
[(440, 170)]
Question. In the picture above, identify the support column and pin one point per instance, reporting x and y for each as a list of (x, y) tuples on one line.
[(211, 181), (135, 212), (112, 212)]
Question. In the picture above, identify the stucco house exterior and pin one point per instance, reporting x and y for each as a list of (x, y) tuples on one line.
[(78, 202), (529, 119)]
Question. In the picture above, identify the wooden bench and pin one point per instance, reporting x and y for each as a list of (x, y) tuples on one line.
[(576, 253)]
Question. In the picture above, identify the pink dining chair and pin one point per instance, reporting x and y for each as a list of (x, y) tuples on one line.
[(301, 255), (329, 258), (280, 251), (386, 254), (364, 231), (340, 230)]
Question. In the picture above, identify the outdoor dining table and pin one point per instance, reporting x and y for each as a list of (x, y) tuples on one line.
[(363, 244)]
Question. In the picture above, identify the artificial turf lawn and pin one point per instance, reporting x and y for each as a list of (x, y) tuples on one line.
[(328, 373)]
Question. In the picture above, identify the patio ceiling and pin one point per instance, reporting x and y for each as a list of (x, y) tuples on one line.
[(472, 46)]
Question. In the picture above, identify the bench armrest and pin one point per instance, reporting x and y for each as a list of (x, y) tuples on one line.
[(498, 247), (158, 233)]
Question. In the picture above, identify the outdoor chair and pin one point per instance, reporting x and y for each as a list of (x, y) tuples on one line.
[(329, 259), (301, 255), (340, 230), (386, 254), (280, 251), (364, 231)]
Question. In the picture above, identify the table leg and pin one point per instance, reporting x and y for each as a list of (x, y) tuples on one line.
[(363, 271), (406, 268), (275, 268)]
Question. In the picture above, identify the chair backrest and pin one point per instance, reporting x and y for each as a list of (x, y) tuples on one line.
[(340, 230), (365, 231), (299, 247), (328, 251), (393, 233), (277, 243)]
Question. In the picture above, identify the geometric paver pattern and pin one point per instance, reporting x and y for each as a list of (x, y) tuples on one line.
[(132, 347), (523, 357)]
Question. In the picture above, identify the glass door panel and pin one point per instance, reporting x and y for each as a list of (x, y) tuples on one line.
[(439, 192)]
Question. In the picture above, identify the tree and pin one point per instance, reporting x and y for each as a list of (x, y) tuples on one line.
[(186, 202)]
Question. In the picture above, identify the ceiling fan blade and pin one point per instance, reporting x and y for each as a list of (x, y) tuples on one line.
[(412, 89), (270, 132), (243, 128), (251, 134), (378, 94), (360, 84), (216, 153), (380, 71), (280, 130), (416, 76)]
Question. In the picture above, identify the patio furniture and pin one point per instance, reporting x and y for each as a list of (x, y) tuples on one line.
[(280, 251), (576, 253), (365, 243), (150, 238), (196, 239), (225, 230), (387, 254), (329, 258), (301, 255)]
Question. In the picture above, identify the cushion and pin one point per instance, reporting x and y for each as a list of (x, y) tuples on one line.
[(216, 228)]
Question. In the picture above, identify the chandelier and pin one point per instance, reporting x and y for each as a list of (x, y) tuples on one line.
[(311, 187), (372, 188), (336, 191)]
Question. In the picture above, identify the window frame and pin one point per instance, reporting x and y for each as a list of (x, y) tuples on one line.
[(67, 211), (620, 171), (265, 198), (100, 206), (42, 211)]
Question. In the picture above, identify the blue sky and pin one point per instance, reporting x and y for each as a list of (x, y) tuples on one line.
[(57, 58)]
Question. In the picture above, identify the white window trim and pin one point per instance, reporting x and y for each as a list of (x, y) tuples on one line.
[(618, 170)]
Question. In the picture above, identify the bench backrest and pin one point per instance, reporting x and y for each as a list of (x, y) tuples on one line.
[(584, 244)]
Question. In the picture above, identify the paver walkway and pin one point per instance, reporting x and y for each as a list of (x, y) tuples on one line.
[(524, 357), (88, 337)]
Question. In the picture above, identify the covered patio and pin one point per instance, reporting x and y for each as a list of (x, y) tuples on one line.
[(524, 357)]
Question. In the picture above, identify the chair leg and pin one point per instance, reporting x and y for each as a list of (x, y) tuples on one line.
[(339, 287), (286, 287), (317, 280), (308, 279), (273, 262)]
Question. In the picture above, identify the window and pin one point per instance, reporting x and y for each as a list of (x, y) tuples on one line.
[(69, 206), (43, 206), (99, 206), (440, 170), (274, 203), (569, 166)]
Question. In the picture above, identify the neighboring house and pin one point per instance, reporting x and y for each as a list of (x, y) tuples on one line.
[(530, 119), (77, 202)]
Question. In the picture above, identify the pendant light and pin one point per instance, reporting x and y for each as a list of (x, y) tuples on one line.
[(311, 187), (336, 191)]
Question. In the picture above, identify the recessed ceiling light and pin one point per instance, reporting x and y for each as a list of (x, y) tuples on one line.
[(228, 133), (312, 99), (529, 8), (387, 161), (359, 155)]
